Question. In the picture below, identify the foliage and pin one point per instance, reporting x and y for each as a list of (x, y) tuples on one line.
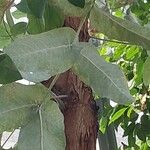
[(41, 48)]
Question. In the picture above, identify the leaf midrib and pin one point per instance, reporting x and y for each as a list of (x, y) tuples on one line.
[(104, 74), (123, 26), (17, 108), (43, 50)]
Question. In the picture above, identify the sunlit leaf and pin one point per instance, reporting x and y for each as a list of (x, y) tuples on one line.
[(146, 74), (117, 115)]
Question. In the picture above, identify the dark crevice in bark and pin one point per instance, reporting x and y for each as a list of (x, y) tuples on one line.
[(80, 112)]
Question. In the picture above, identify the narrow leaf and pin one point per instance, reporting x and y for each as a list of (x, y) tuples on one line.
[(17, 103), (120, 29), (106, 79), (38, 57), (117, 115), (103, 124), (45, 131), (146, 74)]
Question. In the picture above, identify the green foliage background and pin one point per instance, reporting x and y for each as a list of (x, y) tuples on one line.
[(117, 69)]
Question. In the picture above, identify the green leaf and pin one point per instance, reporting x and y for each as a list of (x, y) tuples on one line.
[(129, 130), (35, 25), (78, 3), (144, 146), (18, 102), (23, 6), (45, 131), (119, 29), (8, 71), (36, 7), (18, 14), (146, 73), (140, 133), (148, 141), (131, 141), (38, 57), (4, 37), (71, 10), (117, 115), (53, 17), (103, 124), (106, 79), (19, 28)]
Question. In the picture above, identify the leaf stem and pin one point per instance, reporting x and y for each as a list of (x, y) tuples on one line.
[(41, 128), (108, 40)]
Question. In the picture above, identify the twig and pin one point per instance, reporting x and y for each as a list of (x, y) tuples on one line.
[(108, 40), (82, 23)]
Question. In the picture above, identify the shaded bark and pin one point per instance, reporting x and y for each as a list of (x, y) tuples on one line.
[(80, 111)]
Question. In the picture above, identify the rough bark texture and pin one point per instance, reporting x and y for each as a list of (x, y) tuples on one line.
[(80, 111)]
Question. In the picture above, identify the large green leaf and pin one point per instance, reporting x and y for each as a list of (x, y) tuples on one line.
[(38, 57), (119, 29), (71, 10), (146, 74), (4, 4), (45, 131), (8, 71), (18, 103), (53, 17), (106, 79), (36, 7)]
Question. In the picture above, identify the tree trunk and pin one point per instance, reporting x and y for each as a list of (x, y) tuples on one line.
[(80, 111)]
